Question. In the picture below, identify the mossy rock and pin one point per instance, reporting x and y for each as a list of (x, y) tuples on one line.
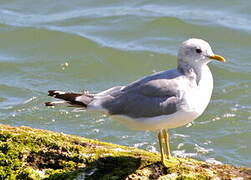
[(27, 153)]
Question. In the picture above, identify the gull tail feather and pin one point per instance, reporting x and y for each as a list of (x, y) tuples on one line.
[(69, 99)]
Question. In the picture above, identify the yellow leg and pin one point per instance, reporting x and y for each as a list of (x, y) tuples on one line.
[(166, 141), (160, 146)]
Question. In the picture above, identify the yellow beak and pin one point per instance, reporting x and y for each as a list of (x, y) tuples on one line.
[(218, 58)]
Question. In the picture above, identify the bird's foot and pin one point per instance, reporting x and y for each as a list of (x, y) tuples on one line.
[(171, 161)]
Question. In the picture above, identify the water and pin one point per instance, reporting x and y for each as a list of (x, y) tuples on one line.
[(94, 45)]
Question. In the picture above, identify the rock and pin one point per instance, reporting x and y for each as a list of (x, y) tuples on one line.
[(27, 153)]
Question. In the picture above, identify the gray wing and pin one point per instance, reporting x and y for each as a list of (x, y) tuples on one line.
[(151, 96)]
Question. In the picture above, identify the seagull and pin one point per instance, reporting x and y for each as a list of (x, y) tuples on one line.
[(158, 102)]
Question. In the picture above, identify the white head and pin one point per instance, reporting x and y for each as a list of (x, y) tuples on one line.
[(197, 52)]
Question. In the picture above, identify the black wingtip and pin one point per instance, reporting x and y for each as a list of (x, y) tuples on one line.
[(51, 92), (48, 104)]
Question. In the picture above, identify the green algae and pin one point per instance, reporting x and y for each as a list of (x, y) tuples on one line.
[(27, 153)]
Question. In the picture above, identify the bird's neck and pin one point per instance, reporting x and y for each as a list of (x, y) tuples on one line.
[(193, 70)]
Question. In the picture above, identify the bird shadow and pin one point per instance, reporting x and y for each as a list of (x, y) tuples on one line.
[(111, 168), (120, 167)]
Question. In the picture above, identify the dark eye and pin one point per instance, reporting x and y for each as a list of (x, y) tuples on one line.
[(198, 50)]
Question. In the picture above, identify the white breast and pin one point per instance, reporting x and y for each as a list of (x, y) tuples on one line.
[(199, 98)]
